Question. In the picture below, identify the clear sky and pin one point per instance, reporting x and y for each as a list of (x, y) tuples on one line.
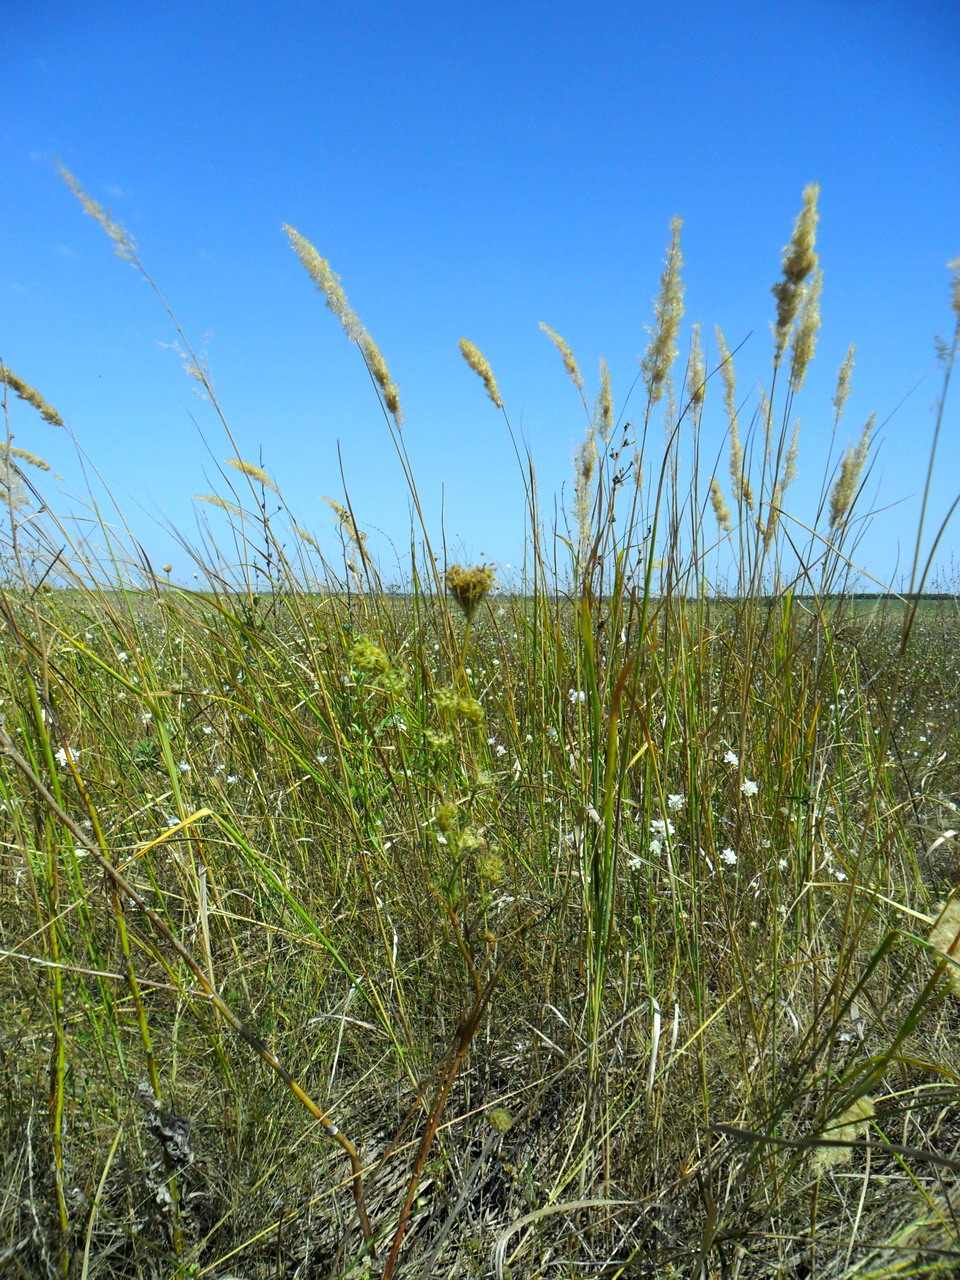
[(468, 170)]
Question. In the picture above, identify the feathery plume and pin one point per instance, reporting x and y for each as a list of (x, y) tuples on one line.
[(696, 372), (11, 451), (845, 487), (32, 397), (123, 243), (214, 500), (478, 363), (799, 261), (603, 410), (569, 361), (584, 463), (306, 537), (843, 381), (348, 525), (328, 282), (381, 375), (742, 491), (804, 344), (720, 508), (668, 310), (253, 472)]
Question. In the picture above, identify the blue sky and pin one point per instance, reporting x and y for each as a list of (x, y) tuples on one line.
[(468, 171)]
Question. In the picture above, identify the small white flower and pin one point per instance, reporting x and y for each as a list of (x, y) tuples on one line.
[(183, 767), (123, 655), (61, 756), (783, 864), (656, 848), (634, 862), (577, 695), (749, 787), (501, 749), (676, 803), (232, 778), (729, 857), (661, 827), (441, 839), (840, 875), (731, 757), (208, 728)]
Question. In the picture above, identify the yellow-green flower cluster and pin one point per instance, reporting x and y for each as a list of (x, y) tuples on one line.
[(369, 658), (469, 586), (457, 706)]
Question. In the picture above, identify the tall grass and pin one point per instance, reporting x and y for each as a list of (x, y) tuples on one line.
[(592, 928)]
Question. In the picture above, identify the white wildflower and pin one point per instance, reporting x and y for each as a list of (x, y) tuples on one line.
[(676, 802), (661, 827), (729, 857), (749, 787), (577, 695), (731, 757)]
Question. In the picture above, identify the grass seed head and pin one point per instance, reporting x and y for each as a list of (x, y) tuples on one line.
[(804, 343), (843, 381), (847, 482), (569, 361), (799, 261), (253, 472), (32, 397), (603, 410), (327, 281), (124, 244), (478, 363), (696, 372), (668, 310), (214, 500), (720, 508)]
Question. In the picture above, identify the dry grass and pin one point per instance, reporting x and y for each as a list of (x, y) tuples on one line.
[(583, 930)]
